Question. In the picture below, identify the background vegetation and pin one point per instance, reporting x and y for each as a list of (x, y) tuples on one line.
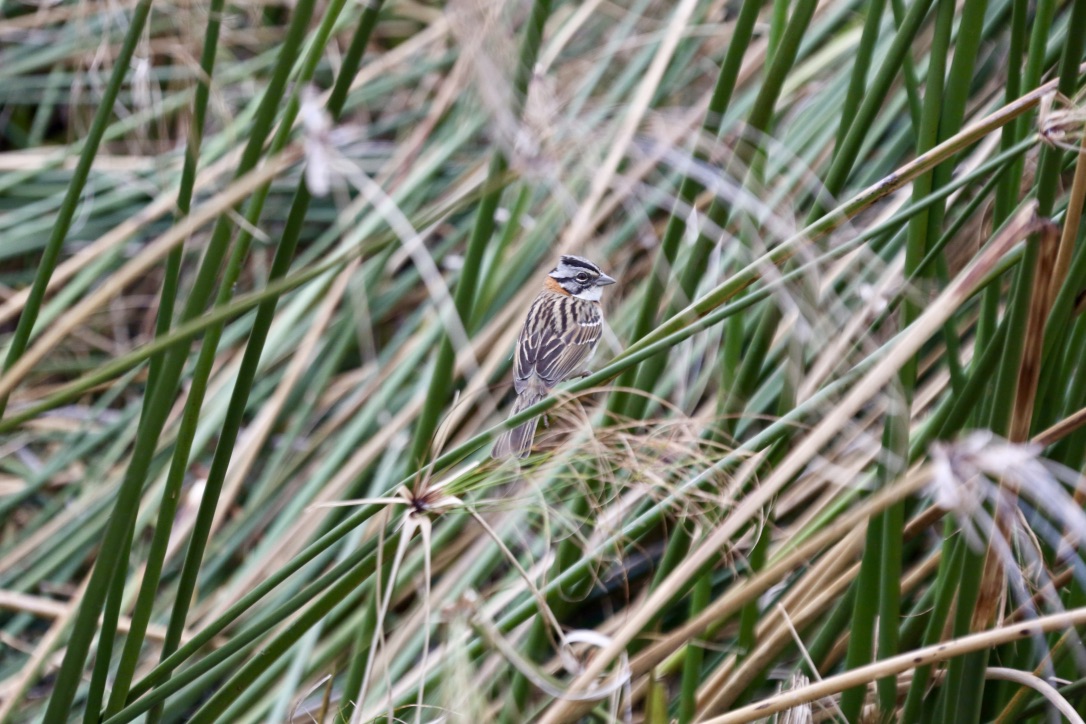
[(261, 270)]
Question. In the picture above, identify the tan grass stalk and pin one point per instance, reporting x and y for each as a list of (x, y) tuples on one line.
[(1026, 389), (578, 229), (410, 525), (1061, 429), (1067, 638), (918, 575), (302, 530), (453, 564), (902, 663), (141, 264), (257, 433), (49, 608), (163, 204), (910, 342), (730, 679), (584, 12), (35, 160), (990, 598), (30, 671), (756, 585), (720, 691), (56, 526), (1071, 222), (1039, 685), (156, 250)]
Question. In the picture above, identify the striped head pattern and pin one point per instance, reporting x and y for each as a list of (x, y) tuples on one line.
[(580, 277)]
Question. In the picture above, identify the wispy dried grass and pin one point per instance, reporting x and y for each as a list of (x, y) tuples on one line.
[(699, 535)]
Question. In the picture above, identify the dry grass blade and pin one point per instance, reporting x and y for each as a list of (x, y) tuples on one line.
[(1049, 692), (151, 255), (752, 494), (1024, 224), (902, 663), (16, 690), (578, 229), (163, 204)]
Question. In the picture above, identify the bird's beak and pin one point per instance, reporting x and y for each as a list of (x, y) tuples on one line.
[(604, 280)]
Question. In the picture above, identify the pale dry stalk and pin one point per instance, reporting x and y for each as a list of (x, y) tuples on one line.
[(902, 663), (908, 344)]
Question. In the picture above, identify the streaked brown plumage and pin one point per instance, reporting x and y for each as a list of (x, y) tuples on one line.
[(560, 334)]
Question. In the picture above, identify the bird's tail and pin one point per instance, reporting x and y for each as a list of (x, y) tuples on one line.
[(518, 441)]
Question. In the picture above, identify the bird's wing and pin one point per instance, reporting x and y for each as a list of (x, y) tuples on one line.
[(558, 338)]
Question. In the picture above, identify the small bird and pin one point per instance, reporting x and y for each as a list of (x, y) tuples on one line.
[(563, 328)]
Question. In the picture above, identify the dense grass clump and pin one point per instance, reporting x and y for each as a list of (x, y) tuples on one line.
[(262, 269)]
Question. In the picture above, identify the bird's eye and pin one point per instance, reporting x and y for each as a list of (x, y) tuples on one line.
[(582, 277)]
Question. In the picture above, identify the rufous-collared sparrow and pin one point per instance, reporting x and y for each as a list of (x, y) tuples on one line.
[(561, 333)]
